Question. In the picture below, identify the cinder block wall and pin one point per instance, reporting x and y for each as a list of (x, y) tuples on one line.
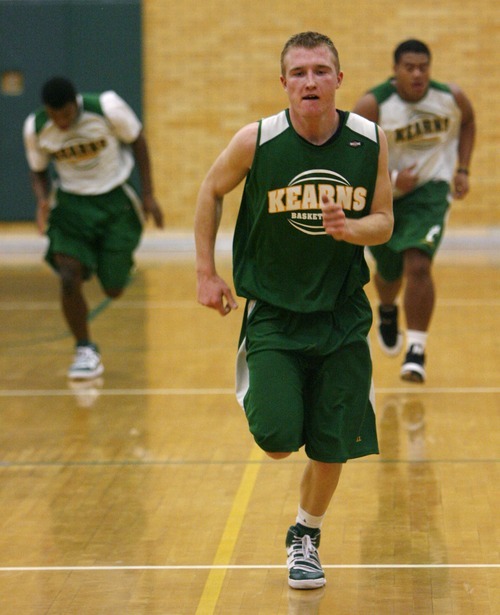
[(211, 67)]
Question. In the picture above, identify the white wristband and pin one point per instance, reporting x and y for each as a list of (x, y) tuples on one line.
[(394, 177)]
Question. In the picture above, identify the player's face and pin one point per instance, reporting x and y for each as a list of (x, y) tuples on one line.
[(64, 117), (412, 74), (311, 78)]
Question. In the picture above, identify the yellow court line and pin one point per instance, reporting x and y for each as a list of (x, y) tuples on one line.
[(213, 584)]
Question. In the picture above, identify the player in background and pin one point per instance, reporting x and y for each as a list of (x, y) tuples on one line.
[(91, 215), (430, 131)]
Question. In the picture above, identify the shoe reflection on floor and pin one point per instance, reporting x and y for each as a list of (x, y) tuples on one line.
[(86, 392)]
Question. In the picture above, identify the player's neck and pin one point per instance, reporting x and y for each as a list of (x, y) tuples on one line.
[(316, 130)]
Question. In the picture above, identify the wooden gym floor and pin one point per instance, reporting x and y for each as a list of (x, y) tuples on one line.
[(143, 492)]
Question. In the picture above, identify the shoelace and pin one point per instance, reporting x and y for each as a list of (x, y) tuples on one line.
[(416, 349), (83, 351), (302, 548), (86, 355), (307, 546), (303, 560)]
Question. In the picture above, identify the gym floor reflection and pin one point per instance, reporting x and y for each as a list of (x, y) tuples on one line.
[(142, 491)]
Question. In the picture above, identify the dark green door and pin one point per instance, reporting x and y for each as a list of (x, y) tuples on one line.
[(97, 44)]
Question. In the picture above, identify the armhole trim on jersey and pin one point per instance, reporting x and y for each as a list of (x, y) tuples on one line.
[(92, 103), (362, 126), (271, 127), (40, 119)]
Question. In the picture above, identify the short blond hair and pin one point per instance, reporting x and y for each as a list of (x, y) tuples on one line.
[(309, 40)]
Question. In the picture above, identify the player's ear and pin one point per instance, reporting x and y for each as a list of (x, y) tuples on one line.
[(283, 81), (340, 78)]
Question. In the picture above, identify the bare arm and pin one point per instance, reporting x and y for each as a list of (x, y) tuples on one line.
[(40, 184), (226, 173), (149, 203), (367, 106), (376, 227), (465, 142)]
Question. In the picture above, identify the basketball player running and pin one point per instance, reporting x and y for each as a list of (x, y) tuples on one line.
[(430, 132), (95, 223), (316, 191)]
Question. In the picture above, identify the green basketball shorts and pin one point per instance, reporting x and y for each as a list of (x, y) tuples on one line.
[(306, 380), (100, 231), (419, 222)]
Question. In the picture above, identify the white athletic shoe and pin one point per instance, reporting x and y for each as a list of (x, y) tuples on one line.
[(86, 364), (304, 567)]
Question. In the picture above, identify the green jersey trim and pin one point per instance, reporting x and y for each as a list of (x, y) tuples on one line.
[(92, 103), (41, 118), (89, 102), (385, 90)]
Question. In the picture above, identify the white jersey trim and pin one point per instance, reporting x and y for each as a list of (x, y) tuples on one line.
[(363, 126), (273, 126), (242, 373)]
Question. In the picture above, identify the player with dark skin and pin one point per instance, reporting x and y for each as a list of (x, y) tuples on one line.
[(411, 80), (62, 116), (71, 272)]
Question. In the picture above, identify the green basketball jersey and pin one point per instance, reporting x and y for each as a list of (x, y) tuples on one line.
[(281, 252)]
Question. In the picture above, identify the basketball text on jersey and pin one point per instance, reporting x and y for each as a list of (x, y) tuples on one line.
[(301, 194), (80, 151), (423, 127)]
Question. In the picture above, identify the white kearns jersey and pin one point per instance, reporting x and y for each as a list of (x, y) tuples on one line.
[(93, 156), (423, 133)]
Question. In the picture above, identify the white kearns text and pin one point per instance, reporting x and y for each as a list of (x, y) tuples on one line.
[(309, 196)]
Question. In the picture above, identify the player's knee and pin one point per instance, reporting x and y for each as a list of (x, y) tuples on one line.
[(70, 281), (419, 271), (418, 264)]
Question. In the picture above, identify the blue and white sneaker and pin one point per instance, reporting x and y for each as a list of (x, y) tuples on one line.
[(86, 364), (304, 567)]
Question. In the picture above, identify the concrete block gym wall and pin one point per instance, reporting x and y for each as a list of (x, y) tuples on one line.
[(212, 66)]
